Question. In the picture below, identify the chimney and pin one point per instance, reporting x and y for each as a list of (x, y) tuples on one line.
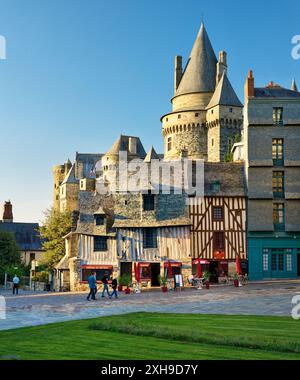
[(221, 65), (7, 213), (177, 71), (132, 145), (249, 86)]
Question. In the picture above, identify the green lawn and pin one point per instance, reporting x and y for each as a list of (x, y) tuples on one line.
[(157, 336)]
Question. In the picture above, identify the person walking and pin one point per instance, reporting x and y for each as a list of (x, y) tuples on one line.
[(16, 282), (105, 284), (114, 285), (93, 286)]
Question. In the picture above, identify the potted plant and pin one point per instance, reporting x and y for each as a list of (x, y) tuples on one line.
[(120, 286), (163, 284), (236, 280), (126, 280), (206, 276)]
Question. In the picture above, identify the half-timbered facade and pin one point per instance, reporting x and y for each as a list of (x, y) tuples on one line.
[(218, 231)]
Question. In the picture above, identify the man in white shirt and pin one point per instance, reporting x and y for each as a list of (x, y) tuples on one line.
[(16, 282)]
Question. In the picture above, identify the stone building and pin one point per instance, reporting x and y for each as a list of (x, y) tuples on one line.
[(26, 234), (272, 166)]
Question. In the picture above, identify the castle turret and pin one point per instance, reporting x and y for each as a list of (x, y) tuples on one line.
[(184, 128), (7, 213), (224, 121)]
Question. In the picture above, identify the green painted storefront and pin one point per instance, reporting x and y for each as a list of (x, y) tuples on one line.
[(271, 257)]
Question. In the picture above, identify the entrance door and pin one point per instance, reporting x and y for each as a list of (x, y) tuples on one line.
[(214, 271), (126, 268), (155, 272), (298, 264), (277, 262)]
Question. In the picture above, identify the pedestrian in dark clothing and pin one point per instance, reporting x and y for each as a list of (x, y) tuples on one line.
[(92, 285), (114, 285), (105, 284)]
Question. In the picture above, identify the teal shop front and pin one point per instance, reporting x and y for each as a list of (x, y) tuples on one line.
[(273, 257)]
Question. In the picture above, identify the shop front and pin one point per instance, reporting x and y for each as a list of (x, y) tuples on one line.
[(149, 273), (274, 257), (87, 270)]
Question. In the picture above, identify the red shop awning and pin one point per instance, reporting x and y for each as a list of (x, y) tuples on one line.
[(110, 267), (200, 261), (144, 264), (173, 264)]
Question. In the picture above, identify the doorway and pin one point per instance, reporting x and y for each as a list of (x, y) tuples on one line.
[(155, 272), (298, 264), (126, 268), (214, 271)]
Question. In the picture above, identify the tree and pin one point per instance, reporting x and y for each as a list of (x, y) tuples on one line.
[(56, 225), (9, 251)]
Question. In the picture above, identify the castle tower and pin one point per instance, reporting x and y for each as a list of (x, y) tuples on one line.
[(7, 213), (59, 174), (184, 128), (224, 121)]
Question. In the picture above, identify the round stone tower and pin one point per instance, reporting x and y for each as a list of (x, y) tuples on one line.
[(184, 129)]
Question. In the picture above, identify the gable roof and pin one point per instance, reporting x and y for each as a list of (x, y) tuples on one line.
[(224, 94), (200, 71), (26, 234)]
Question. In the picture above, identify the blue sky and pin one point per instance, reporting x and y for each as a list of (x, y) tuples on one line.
[(80, 72)]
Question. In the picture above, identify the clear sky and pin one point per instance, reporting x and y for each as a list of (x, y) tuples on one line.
[(80, 72)]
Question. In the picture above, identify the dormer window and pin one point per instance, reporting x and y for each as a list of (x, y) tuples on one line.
[(148, 202), (216, 186), (99, 219), (278, 116)]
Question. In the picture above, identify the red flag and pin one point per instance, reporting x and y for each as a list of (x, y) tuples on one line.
[(170, 271), (199, 270), (238, 266)]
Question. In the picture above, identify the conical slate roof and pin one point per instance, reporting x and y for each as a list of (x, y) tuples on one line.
[(224, 94), (200, 72), (294, 86), (151, 155)]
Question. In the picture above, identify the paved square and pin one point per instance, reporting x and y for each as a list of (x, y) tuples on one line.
[(29, 309)]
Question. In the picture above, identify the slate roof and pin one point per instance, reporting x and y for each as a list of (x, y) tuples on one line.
[(151, 155), (70, 177), (200, 71), (294, 86), (224, 94), (230, 176), (26, 234), (85, 163), (126, 223), (122, 144), (275, 92)]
